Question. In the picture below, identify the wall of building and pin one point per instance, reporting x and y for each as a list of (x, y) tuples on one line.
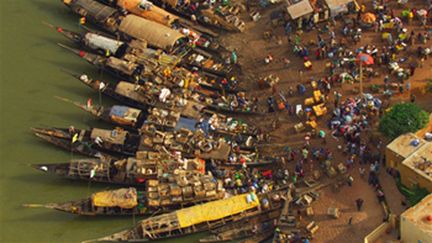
[(381, 230), (410, 233), (393, 160), (409, 178)]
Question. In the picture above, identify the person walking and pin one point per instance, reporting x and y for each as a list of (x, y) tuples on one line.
[(359, 203)]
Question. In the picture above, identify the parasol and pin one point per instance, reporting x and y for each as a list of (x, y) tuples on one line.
[(368, 18), (365, 59)]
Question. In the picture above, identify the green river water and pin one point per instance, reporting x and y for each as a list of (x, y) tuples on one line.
[(31, 75)]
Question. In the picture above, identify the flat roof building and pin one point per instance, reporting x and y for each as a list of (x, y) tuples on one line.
[(416, 222)]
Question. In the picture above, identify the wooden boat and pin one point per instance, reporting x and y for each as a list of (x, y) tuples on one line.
[(188, 103), (219, 17), (203, 37), (158, 35), (131, 27), (145, 96), (251, 228), (143, 69), (243, 134), (130, 171), (113, 21), (239, 232), (159, 196), (199, 218), (95, 12), (122, 143), (263, 237)]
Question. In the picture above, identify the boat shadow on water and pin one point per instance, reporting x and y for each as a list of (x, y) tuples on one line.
[(54, 11)]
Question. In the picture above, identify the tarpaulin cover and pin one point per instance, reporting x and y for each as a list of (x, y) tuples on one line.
[(215, 210), (96, 41), (125, 112), (123, 198), (186, 123), (148, 11)]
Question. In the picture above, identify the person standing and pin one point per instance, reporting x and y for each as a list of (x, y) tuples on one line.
[(234, 57), (350, 221), (359, 204)]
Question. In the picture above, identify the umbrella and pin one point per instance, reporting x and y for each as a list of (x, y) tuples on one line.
[(365, 59), (368, 18)]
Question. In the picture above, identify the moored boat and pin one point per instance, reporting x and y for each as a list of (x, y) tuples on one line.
[(203, 37), (253, 227), (223, 17), (118, 142), (130, 171), (245, 135), (199, 218), (148, 66), (158, 196)]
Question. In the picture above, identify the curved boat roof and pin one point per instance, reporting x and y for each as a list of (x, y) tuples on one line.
[(147, 10), (155, 34)]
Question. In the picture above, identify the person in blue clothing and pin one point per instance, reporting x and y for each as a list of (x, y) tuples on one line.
[(270, 103)]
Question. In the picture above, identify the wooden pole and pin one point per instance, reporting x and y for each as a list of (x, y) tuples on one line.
[(361, 77)]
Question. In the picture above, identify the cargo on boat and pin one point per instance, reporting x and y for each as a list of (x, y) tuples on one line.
[(173, 191), (131, 171), (122, 143), (199, 218)]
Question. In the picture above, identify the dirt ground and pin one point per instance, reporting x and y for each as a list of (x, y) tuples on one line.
[(252, 48)]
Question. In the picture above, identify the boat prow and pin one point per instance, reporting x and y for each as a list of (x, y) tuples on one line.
[(58, 169), (71, 35), (89, 57), (117, 237), (94, 110)]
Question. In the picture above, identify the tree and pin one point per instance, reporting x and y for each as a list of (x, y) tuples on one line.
[(429, 86), (403, 118)]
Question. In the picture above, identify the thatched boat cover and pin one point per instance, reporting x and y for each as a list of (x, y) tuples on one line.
[(110, 136), (148, 11), (155, 34), (216, 210), (94, 9), (123, 198), (299, 9)]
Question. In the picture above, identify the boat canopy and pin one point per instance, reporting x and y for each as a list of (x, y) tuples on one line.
[(128, 90), (123, 198), (147, 10), (122, 65), (172, 3), (125, 112), (216, 209), (117, 136), (91, 8), (155, 34), (96, 42)]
